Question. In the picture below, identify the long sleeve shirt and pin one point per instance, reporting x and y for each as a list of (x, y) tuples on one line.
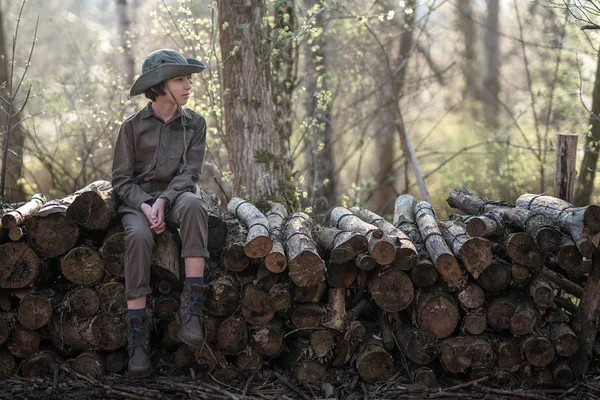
[(148, 159)]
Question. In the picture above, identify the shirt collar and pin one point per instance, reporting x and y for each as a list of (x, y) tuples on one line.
[(147, 112)]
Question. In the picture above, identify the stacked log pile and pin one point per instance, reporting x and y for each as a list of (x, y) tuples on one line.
[(490, 292)]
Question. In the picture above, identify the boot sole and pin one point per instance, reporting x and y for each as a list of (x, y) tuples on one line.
[(178, 318), (142, 375)]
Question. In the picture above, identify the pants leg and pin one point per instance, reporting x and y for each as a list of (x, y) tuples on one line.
[(139, 241), (189, 214)]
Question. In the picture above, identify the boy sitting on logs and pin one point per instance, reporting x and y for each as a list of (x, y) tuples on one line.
[(157, 163)]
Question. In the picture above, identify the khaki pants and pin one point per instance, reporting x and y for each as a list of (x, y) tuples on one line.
[(187, 213)]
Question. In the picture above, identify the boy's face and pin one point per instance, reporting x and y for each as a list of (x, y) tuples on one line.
[(181, 87)]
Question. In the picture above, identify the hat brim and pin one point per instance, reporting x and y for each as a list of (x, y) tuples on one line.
[(164, 72)]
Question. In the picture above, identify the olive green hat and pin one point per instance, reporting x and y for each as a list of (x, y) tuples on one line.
[(161, 65)]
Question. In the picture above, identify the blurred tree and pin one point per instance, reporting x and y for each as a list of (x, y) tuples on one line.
[(470, 66), (125, 36), (254, 145), (491, 70)]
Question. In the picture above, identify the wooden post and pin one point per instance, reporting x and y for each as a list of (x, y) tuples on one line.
[(585, 324), (566, 155)]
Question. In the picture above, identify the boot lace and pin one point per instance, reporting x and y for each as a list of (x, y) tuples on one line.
[(194, 305), (137, 336)]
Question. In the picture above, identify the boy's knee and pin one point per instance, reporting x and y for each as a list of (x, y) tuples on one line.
[(140, 235), (192, 204)]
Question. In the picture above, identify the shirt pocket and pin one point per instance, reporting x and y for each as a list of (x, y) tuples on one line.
[(176, 148)]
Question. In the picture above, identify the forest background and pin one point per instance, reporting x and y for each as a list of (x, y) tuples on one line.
[(364, 99)]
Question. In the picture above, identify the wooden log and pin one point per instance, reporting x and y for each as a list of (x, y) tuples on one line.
[(116, 361), (256, 308), (35, 311), (385, 329), (310, 371), (336, 315), (41, 364), (442, 257), (258, 241), (113, 254), (541, 292), (223, 297), (82, 266), (541, 229), (524, 319), (568, 256), (538, 350), (5, 324), (500, 311), (508, 355), (94, 207), (474, 322), (404, 219), (23, 343), (391, 289), (471, 297), (249, 360), (92, 363), (82, 302), (16, 233), (566, 156), (424, 274), (341, 275), (165, 307), (307, 317), (418, 346), (49, 232), (564, 339), (280, 296), (521, 248), (267, 340), (233, 335), (234, 258), (496, 277), (365, 262), (485, 225), (306, 268), (562, 282), (519, 273), (207, 358), (406, 251), (103, 332), (166, 260), (424, 376), (20, 215), (346, 347), (310, 294), (342, 246), (184, 358), (218, 228), (276, 261), (322, 342), (8, 364), (475, 253), (19, 266), (562, 374), (436, 312), (373, 363), (581, 222), (112, 298), (461, 352)]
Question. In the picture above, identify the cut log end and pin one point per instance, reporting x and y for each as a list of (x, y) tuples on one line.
[(258, 247), (476, 254), (276, 262), (306, 269), (392, 289), (548, 239)]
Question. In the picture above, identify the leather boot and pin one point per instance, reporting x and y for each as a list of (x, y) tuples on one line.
[(189, 317), (138, 347)]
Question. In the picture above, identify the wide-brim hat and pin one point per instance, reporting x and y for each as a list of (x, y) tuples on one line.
[(161, 65)]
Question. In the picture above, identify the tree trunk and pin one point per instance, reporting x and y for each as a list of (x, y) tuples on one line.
[(469, 64), (103, 332), (424, 274), (112, 298), (126, 38), (252, 136), (491, 71), (404, 219), (41, 364), (564, 339)]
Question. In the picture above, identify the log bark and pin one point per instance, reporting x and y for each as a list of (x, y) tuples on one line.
[(496, 277), (276, 261), (23, 343), (391, 289), (581, 222), (418, 346), (336, 315), (566, 156), (536, 224), (564, 339), (92, 363), (373, 363), (306, 268), (267, 340), (256, 308), (258, 241), (20, 266), (112, 298), (475, 253), (94, 207), (223, 297), (562, 282), (538, 350), (82, 302), (82, 266), (233, 256), (406, 251), (484, 225), (35, 311), (19, 216), (436, 312), (233, 335), (49, 232), (424, 274), (404, 219), (113, 254), (442, 257), (342, 246)]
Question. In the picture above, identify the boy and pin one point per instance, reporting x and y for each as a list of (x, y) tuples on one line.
[(157, 162)]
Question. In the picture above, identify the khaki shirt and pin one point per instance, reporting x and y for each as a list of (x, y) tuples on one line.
[(149, 155)]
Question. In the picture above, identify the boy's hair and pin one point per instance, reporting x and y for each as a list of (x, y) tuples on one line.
[(157, 90)]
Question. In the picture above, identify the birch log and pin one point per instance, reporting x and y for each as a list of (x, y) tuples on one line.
[(258, 242), (306, 268)]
